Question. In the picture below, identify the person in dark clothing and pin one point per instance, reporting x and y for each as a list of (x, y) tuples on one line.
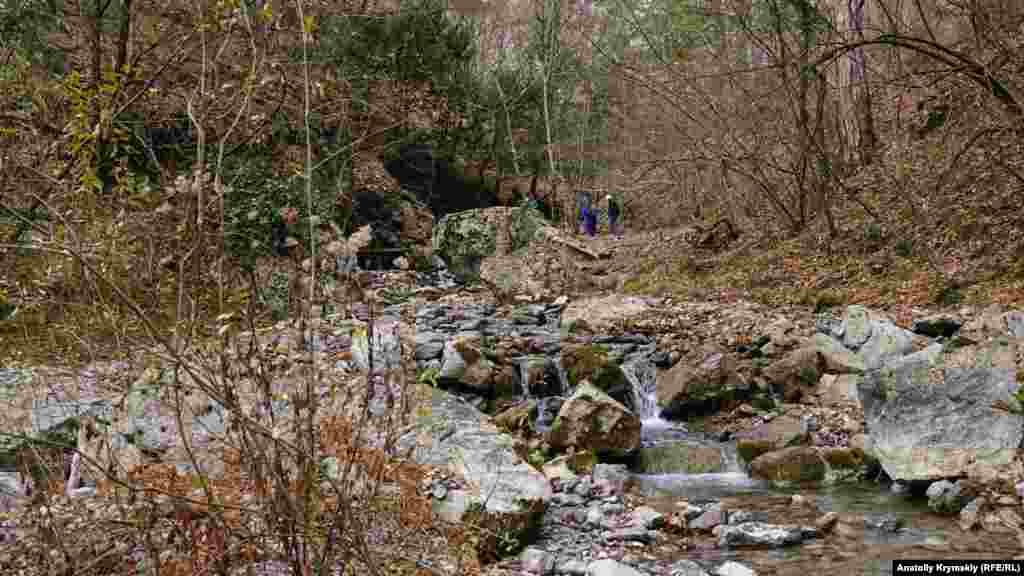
[(613, 216), (590, 221)]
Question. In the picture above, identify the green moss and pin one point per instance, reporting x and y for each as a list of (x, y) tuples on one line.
[(844, 457), (748, 450), (501, 536), (763, 402), (583, 362), (583, 462), (556, 426), (536, 458), (608, 377), (808, 375), (679, 458)]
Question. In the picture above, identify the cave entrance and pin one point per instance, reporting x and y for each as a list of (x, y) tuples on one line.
[(379, 259)]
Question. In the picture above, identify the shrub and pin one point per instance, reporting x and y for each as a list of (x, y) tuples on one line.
[(948, 296), (872, 232)]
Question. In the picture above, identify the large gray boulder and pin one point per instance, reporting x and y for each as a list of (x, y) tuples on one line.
[(504, 492), (464, 239), (870, 335), (930, 414)]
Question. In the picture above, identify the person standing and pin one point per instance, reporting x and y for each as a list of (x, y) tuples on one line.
[(614, 212), (589, 221)]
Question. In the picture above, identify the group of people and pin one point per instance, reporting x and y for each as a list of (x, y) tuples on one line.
[(588, 218)]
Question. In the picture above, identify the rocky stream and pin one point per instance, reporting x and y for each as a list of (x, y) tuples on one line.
[(679, 438)]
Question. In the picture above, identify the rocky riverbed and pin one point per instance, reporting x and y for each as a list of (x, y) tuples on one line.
[(655, 437)]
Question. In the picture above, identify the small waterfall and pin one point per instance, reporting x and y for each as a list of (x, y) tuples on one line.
[(541, 423), (563, 378), (643, 378), (731, 459), (524, 376)]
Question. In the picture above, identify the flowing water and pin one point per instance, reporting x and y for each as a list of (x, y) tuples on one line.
[(857, 547), (546, 407)]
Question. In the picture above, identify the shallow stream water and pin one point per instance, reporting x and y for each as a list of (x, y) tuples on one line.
[(853, 548), (858, 545)]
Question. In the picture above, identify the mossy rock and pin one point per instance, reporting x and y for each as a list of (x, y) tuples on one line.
[(781, 432), (790, 466), (583, 361), (844, 457), (523, 226), (518, 418), (592, 363), (501, 536), (762, 402), (582, 462), (748, 450), (679, 457)]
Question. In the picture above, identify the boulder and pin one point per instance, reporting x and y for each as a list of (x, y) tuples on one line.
[(838, 388), (679, 458), (523, 225), (609, 567), (504, 493), (844, 464), (429, 345), (592, 363), (871, 335), (794, 465), (464, 239), (759, 535), (612, 476), (930, 414), (463, 362), (519, 418), (592, 420), (781, 432), (838, 359), (697, 388), (796, 374), (944, 497)]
